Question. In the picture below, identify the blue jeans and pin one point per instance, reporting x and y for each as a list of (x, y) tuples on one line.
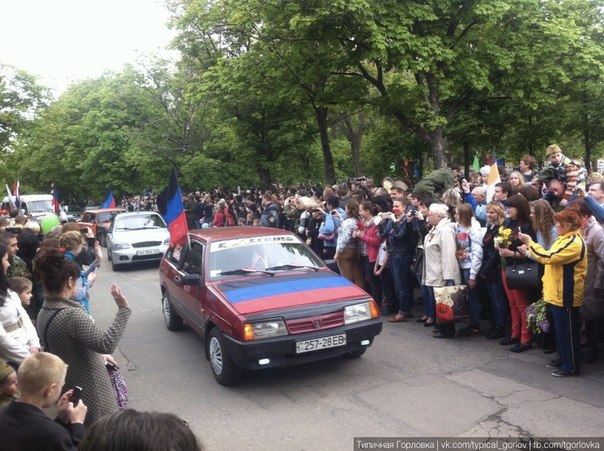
[(429, 302), (566, 327), (473, 302), (499, 302), (399, 265)]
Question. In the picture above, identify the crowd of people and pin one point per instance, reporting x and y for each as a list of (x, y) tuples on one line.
[(392, 239), (52, 352)]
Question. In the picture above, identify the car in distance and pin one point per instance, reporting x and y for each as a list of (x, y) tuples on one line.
[(137, 237), (73, 212), (99, 220), (261, 298)]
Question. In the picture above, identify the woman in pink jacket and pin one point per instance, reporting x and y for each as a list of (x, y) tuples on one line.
[(369, 243)]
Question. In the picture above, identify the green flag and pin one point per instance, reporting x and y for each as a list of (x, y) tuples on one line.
[(476, 164)]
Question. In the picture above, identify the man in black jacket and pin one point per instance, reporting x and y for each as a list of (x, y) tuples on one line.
[(23, 424)]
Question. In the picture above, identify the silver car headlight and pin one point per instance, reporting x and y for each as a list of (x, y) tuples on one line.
[(167, 242), (121, 245), (265, 329), (358, 312)]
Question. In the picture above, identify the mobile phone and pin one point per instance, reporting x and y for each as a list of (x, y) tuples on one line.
[(333, 212), (75, 397)]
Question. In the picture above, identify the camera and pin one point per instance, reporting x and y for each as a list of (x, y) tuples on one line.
[(84, 230)]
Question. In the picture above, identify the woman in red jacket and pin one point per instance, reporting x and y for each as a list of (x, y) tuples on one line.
[(369, 243)]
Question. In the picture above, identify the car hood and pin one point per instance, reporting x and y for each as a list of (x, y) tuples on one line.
[(260, 294), (134, 236)]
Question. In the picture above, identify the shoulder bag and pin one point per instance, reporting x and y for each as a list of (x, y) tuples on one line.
[(523, 275)]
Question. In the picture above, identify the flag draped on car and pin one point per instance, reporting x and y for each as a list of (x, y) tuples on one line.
[(173, 210), (109, 202)]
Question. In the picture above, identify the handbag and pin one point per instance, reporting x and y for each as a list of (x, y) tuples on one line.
[(451, 303), (119, 385), (523, 275)]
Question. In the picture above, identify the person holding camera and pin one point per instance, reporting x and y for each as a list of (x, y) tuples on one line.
[(401, 240)]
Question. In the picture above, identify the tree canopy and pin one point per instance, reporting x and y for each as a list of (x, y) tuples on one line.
[(277, 92)]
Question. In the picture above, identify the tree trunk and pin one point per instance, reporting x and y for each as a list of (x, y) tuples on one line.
[(265, 178), (466, 160), (330, 173), (438, 144), (354, 138), (586, 137)]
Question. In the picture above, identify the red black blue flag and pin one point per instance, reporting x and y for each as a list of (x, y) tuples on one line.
[(173, 211)]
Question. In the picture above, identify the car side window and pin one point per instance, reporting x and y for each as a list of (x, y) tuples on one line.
[(193, 263)]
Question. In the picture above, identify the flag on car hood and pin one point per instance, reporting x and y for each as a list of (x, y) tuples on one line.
[(109, 202), (270, 293), (173, 211)]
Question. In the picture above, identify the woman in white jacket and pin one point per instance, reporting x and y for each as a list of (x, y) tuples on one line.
[(468, 235), (18, 337), (440, 265)]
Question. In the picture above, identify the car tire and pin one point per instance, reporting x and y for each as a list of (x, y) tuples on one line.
[(356, 354), (115, 267), (109, 254), (171, 318), (224, 369)]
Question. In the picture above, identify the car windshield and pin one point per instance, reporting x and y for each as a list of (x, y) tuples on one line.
[(39, 205), (260, 255), (140, 222), (107, 216)]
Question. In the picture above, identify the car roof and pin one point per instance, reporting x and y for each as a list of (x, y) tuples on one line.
[(236, 232), (103, 210), (138, 213)]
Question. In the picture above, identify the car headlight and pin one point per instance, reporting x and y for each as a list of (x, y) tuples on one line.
[(121, 245), (360, 312), (167, 242), (265, 329)]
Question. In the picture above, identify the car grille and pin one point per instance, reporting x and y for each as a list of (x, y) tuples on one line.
[(313, 323), (146, 244)]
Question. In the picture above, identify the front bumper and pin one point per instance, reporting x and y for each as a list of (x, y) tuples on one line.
[(134, 255), (281, 351)]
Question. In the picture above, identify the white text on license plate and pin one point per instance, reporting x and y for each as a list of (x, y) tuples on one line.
[(147, 252), (320, 343)]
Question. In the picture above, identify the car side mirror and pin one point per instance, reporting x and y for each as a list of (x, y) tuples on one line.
[(191, 279)]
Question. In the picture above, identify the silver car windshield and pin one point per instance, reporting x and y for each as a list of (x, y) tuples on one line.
[(140, 222), (240, 257)]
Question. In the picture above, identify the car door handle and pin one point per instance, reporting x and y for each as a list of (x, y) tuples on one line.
[(177, 279)]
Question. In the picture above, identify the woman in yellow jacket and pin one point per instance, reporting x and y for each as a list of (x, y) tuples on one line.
[(565, 269)]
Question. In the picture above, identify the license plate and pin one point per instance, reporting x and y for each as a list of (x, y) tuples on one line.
[(320, 343), (147, 252)]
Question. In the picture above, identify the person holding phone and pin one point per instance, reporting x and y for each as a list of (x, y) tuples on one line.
[(23, 423), (563, 282), (69, 332), (73, 243)]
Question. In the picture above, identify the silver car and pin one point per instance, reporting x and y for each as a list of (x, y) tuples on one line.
[(137, 237)]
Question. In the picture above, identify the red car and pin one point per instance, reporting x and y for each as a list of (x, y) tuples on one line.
[(262, 298)]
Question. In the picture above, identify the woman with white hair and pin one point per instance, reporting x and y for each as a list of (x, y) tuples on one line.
[(440, 264), (485, 171)]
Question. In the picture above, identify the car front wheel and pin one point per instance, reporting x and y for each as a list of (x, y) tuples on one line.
[(171, 318), (224, 369)]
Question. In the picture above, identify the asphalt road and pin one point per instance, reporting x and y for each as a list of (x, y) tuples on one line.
[(406, 385)]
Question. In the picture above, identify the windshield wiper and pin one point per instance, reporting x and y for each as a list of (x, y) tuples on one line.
[(290, 266), (244, 271)]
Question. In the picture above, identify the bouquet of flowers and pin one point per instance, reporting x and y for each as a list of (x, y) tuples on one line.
[(504, 237), (536, 317)]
